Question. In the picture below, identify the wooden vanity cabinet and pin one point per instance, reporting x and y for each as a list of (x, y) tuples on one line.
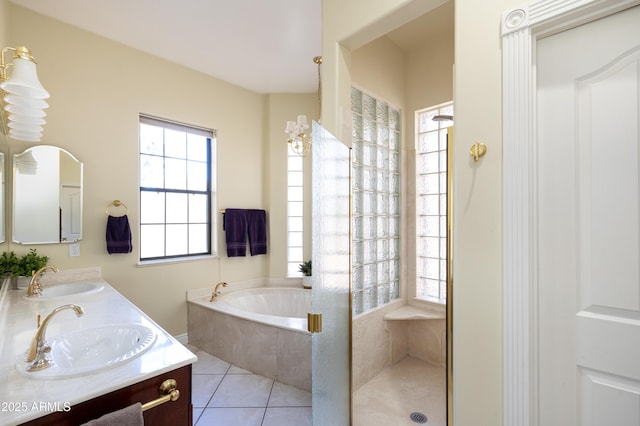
[(170, 413)]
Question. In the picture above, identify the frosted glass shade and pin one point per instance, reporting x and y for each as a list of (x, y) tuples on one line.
[(27, 127), (302, 122), (26, 101), (291, 128), (24, 80), (26, 119), (21, 135), (20, 110)]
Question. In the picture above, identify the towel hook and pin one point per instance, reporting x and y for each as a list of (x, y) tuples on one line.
[(117, 203), (478, 150)]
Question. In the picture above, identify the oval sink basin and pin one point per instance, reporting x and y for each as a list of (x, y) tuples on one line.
[(92, 350), (78, 288)]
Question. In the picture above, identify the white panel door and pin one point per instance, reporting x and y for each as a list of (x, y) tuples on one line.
[(588, 215), (71, 213), (588, 212)]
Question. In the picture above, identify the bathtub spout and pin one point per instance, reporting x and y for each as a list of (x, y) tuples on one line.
[(216, 292)]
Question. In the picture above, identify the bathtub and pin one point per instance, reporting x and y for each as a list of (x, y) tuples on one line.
[(262, 330)]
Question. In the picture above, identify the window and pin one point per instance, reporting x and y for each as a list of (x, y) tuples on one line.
[(176, 190), (376, 202), (295, 217), (431, 194)]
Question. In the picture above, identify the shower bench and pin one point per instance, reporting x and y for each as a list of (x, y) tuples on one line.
[(409, 312), (418, 332)]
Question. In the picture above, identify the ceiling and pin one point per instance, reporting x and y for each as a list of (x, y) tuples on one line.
[(263, 46)]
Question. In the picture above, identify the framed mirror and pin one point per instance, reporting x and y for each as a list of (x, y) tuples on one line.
[(47, 196)]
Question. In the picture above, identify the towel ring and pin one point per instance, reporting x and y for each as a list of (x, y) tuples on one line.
[(117, 203)]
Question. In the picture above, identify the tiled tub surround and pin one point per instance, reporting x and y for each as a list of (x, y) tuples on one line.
[(17, 326), (378, 343), (261, 329)]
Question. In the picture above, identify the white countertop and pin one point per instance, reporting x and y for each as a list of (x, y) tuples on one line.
[(23, 398)]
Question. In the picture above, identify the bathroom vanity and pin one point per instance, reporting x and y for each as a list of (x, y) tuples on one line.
[(76, 393)]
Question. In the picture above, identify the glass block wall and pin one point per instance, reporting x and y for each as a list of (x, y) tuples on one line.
[(431, 192), (376, 202)]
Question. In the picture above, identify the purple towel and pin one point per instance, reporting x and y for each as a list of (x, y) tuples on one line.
[(257, 224), (118, 235), (235, 227)]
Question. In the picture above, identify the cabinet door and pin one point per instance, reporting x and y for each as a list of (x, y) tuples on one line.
[(173, 413)]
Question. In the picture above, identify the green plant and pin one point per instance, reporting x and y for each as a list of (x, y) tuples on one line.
[(9, 264), (31, 262), (305, 268), (23, 266)]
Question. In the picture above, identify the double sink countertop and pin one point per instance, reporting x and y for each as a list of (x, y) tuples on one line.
[(24, 398)]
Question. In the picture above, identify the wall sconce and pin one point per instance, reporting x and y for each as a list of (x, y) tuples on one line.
[(298, 140), (22, 97)]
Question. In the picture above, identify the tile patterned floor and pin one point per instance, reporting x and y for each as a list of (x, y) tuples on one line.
[(225, 395)]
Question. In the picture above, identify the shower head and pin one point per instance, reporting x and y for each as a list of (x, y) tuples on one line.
[(442, 118)]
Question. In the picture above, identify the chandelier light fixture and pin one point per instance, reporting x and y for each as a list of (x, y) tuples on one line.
[(22, 97), (299, 141)]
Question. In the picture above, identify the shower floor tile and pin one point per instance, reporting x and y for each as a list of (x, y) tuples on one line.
[(409, 386)]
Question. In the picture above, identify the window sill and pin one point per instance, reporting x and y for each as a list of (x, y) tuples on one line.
[(173, 260)]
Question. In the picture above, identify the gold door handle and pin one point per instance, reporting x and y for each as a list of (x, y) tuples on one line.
[(314, 323)]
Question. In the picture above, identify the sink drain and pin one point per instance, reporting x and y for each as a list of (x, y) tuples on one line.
[(418, 417)]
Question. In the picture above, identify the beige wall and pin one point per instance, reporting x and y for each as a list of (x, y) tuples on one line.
[(429, 75), (378, 68), (4, 22), (98, 88), (478, 213)]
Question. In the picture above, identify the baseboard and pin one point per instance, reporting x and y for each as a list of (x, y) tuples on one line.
[(182, 338)]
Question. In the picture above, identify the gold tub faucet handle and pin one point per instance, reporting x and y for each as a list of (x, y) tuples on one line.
[(217, 292)]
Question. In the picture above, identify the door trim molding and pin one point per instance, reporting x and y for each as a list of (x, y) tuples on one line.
[(521, 29)]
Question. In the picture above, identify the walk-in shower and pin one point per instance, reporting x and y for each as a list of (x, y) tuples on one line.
[(399, 345)]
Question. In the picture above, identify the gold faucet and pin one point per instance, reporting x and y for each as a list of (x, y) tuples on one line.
[(38, 353), (216, 292), (35, 288)]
